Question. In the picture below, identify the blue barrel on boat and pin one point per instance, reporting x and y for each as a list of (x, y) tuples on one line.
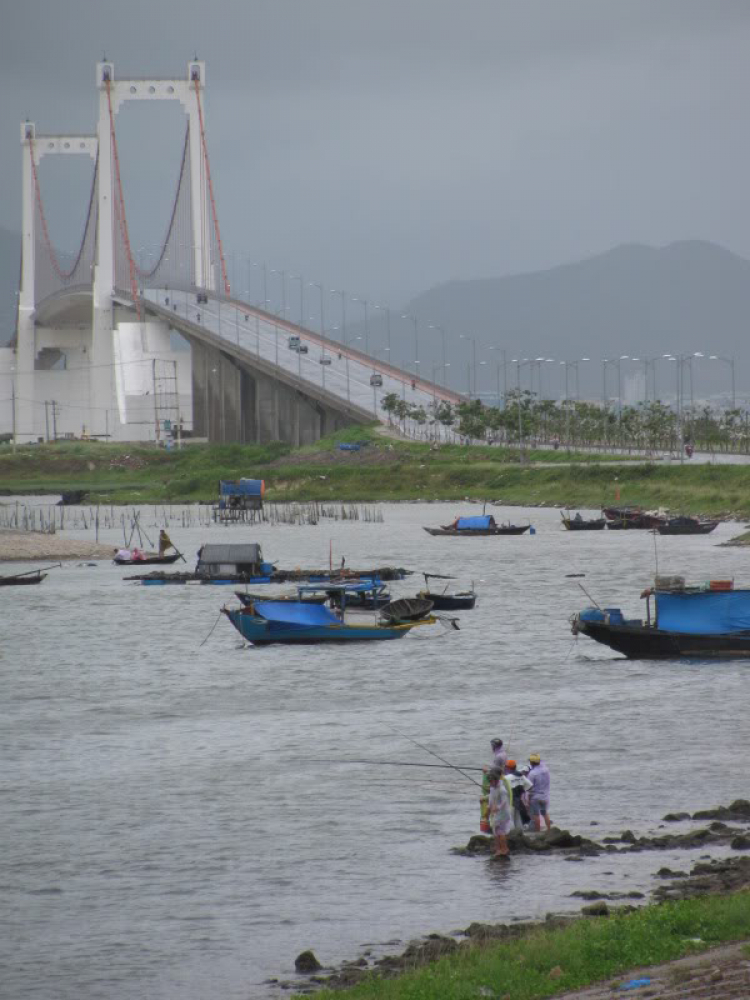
[(615, 616)]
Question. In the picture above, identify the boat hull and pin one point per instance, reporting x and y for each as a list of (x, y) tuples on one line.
[(450, 602), (573, 525), (148, 561), (642, 642), (479, 533), (261, 632), (697, 528), (22, 581)]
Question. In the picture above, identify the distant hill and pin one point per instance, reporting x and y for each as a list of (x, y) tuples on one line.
[(10, 265), (636, 300)]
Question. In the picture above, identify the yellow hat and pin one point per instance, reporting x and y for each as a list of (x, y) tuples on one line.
[(535, 759)]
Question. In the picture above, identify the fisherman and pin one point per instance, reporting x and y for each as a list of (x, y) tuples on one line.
[(500, 810), (165, 542), (520, 786), (539, 792), (137, 555), (499, 755)]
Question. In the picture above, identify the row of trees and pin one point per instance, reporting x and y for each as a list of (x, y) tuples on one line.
[(529, 421)]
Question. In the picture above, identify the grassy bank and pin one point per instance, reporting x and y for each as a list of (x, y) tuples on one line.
[(545, 962), (382, 470)]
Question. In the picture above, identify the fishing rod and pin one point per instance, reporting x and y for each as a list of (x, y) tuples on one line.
[(392, 763), (436, 755)]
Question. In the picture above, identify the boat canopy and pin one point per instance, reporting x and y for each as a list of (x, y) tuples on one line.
[(478, 523), (707, 612), (295, 613)]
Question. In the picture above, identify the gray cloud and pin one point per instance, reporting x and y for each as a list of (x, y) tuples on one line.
[(388, 147)]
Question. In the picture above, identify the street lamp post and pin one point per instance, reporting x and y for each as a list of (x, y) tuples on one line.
[(364, 303), (436, 326), (415, 321), (730, 362), (282, 274), (387, 312), (335, 291), (519, 363), (265, 284), (298, 277)]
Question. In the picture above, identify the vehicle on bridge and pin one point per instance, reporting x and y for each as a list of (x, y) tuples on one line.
[(376, 380), (295, 344)]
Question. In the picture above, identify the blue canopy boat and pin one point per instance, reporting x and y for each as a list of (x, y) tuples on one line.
[(478, 525), (299, 622), (705, 622)]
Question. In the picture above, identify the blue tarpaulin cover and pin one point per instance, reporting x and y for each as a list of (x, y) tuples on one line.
[(711, 612), (296, 613), (477, 523)]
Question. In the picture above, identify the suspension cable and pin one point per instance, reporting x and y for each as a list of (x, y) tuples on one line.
[(211, 188), (121, 207), (61, 274), (149, 273)]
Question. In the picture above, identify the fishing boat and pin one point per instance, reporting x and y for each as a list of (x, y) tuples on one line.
[(267, 622), (477, 526), (579, 523), (247, 598), (686, 526), (457, 600), (405, 609), (708, 621), (632, 517), (23, 579), (144, 559)]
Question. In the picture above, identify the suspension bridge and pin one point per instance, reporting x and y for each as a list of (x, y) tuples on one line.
[(94, 351)]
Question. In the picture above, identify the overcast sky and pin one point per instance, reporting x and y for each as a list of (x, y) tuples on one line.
[(388, 146)]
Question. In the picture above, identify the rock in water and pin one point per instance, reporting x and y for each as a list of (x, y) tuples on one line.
[(307, 962)]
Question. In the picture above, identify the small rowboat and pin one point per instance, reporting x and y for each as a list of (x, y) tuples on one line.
[(149, 559), (22, 579), (579, 523)]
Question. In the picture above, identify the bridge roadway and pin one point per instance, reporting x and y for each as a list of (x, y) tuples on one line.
[(329, 366)]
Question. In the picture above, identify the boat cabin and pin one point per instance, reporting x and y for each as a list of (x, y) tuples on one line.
[(243, 561)]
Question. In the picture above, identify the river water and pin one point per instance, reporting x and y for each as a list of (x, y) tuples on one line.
[(167, 830)]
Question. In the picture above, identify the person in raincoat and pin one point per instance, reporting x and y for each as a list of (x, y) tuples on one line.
[(500, 810)]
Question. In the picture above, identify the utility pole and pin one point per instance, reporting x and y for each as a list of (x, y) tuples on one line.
[(46, 420), (54, 420), (13, 398)]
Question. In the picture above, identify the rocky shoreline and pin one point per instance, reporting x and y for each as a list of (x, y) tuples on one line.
[(706, 876)]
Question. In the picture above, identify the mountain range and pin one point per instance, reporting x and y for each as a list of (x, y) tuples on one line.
[(634, 300)]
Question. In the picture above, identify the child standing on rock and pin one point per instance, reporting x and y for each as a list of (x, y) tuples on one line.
[(500, 810)]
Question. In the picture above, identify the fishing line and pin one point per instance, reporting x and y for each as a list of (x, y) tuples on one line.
[(391, 763), (436, 755), (211, 632)]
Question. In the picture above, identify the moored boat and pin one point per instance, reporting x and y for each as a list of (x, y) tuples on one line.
[(23, 579), (267, 622), (144, 559), (478, 526), (632, 517), (579, 523), (457, 600), (686, 526), (704, 622)]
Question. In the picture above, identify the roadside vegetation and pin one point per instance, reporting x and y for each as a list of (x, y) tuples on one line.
[(649, 426), (382, 469), (543, 962)]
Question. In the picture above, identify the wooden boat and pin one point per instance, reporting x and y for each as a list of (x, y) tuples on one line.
[(23, 579), (248, 599), (267, 622), (707, 622), (579, 523), (457, 600), (477, 527), (149, 559), (633, 517), (686, 526), (405, 609)]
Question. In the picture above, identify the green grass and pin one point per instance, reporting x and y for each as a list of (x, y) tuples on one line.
[(385, 470), (586, 951)]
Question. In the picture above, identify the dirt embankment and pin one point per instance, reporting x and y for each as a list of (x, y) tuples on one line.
[(34, 546)]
